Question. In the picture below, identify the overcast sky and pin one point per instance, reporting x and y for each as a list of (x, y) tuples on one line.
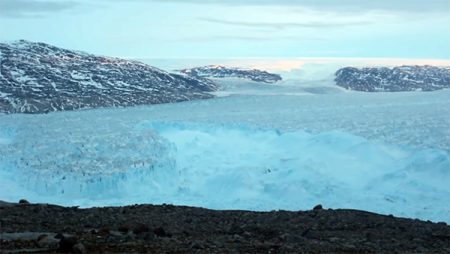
[(234, 28)]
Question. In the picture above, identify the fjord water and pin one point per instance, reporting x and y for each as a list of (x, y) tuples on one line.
[(263, 148)]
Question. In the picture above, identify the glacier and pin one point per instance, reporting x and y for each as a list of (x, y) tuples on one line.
[(386, 153)]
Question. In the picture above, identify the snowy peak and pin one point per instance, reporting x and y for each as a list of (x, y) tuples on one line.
[(401, 78), (38, 78), (218, 71)]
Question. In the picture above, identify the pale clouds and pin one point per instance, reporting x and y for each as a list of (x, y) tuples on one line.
[(232, 28), (33, 8)]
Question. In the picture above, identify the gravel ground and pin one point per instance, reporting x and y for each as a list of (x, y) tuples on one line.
[(43, 228)]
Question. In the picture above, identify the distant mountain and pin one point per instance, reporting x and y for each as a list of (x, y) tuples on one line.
[(39, 78), (217, 71), (403, 78)]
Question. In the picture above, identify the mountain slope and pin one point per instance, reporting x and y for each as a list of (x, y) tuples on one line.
[(402, 78), (217, 71), (39, 78)]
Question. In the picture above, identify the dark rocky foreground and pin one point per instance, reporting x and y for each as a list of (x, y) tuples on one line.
[(31, 228)]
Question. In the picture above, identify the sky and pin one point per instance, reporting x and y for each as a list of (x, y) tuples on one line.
[(417, 29)]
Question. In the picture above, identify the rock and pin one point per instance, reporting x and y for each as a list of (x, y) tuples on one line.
[(237, 238), (79, 248), (196, 245), (318, 207), (24, 202), (42, 237), (66, 243), (124, 228), (103, 231), (147, 236), (159, 231), (44, 240), (140, 228), (306, 232)]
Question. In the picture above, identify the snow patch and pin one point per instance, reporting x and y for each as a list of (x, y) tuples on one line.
[(4, 95)]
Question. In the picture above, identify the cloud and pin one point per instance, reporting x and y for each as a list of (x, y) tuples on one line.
[(337, 5), (33, 8), (284, 25), (250, 38), (267, 38)]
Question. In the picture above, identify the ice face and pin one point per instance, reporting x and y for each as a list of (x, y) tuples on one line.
[(230, 167), (262, 169), (80, 162), (386, 153)]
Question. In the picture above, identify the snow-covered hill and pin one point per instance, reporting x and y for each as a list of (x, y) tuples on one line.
[(39, 78), (403, 78), (217, 71)]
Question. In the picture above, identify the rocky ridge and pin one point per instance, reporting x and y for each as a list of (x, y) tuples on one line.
[(397, 79), (40, 78), (217, 71)]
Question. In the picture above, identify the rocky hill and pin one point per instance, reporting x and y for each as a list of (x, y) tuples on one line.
[(402, 78), (40, 78), (217, 71)]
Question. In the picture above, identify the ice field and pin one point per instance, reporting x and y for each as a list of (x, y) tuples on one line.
[(280, 148)]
